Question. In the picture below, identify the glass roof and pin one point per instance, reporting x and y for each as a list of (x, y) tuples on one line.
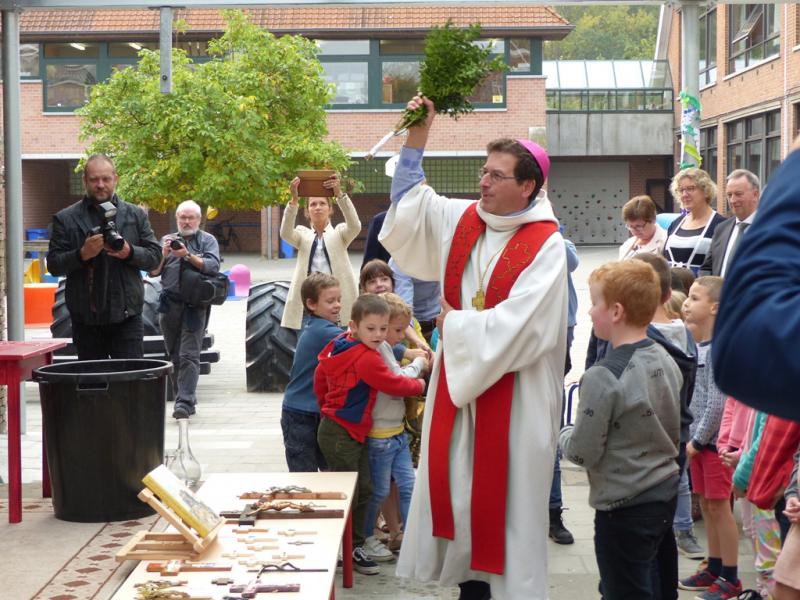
[(606, 74)]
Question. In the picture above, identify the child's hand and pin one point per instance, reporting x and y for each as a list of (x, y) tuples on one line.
[(413, 353), (423, 386), (792, 510), (691, 451), (738, 492), (729, 459)]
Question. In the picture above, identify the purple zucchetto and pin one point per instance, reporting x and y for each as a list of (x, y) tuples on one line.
[(539, 155)]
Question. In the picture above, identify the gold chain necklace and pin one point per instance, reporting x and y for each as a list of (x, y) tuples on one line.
[(479, 299)]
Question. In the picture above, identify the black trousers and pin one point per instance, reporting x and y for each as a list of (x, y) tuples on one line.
[(114, 340)]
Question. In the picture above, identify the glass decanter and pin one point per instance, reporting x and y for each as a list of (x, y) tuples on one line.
[(183, 463)]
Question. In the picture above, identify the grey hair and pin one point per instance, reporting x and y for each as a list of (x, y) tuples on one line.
[(189, 204), (751, 177)]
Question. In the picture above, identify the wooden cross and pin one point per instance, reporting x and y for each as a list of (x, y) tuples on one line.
[(294, 532), (173, 567), (237, 554), (250, 530), (249, 539), (284, 556), (479, 300), (162, 583), (255, 587), (262, 547)]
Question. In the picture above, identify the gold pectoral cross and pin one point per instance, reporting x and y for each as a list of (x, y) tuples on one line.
[(479, 300)]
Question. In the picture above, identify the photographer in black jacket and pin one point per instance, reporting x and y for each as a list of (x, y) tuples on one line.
[(101, 243)]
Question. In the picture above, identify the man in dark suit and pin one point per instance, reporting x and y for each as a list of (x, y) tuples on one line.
[(743, 190)]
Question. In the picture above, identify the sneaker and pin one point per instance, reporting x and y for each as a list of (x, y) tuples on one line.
[(376, 551), (702, 580), (180, 412), (721, 589), (752, 595), (687, 544), (558, 533), (363, 564)]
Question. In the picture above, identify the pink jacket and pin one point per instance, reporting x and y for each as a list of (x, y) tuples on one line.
[(736, 423)]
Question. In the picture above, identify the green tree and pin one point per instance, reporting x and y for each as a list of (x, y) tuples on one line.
[(606, 32), (233, 132)]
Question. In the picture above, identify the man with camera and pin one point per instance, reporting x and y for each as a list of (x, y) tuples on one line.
[(101, 243), (184, 325)]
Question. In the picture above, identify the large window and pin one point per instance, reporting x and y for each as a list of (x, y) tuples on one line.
[(708, 47), (754, 143), (608, 86), (753, 34), (708, 150), (71, 69), (385, 73)]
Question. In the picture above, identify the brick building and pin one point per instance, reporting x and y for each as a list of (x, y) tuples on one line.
[(371, 54), (749, 85)]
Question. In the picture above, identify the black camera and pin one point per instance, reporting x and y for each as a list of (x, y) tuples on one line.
[(111, 236), (176, 243)]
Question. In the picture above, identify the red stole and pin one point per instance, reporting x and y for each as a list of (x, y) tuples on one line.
[(493, 407)]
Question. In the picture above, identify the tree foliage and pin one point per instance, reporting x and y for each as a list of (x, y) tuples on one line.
[(606, 32), (233, 132)]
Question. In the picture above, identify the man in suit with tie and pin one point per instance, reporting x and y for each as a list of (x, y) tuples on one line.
[(742, 189)]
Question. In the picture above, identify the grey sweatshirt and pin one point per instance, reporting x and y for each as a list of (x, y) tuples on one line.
[(627, 430), (389, 411)]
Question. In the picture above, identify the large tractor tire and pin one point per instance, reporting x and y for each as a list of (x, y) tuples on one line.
[(61, 327), (269, 347)]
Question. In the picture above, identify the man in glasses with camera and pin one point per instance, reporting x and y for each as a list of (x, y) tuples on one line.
[(184, 325), (101, 243)]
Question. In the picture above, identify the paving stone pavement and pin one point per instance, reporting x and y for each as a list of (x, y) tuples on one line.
[(236, 431)]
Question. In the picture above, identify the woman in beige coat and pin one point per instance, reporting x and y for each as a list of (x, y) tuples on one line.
[(320, 248)]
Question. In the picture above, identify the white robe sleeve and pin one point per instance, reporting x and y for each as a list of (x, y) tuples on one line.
[(351, 227), (418, 229), (479, 347)]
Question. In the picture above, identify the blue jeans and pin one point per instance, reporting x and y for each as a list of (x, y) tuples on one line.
[(389, 458), (626, 543), (300, 442), (683, 513)]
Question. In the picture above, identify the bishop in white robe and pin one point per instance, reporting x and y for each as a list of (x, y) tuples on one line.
[(524, 334)]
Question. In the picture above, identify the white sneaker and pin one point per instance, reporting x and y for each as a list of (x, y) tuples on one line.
[(363, 564), (376, 550)]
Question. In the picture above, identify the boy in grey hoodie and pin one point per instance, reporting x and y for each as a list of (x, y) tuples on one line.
[(627, 430)]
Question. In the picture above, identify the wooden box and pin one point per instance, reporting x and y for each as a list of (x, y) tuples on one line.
[(311, 183)]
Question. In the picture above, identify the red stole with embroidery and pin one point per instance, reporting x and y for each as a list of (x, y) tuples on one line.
[(493, 407)]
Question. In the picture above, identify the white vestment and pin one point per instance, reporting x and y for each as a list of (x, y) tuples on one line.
[(525, 334)]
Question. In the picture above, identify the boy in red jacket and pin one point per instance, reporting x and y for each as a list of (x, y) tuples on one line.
[(350, 374)]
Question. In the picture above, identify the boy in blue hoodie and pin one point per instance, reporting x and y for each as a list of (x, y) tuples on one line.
[(350, 374), (300, 414)]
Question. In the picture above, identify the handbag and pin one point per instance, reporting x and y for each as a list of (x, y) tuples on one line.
[(201, 289)]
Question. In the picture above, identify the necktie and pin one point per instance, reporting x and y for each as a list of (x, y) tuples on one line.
[(742, 226)]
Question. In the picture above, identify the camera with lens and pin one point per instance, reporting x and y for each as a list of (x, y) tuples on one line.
[(176, 243), (111, 236)]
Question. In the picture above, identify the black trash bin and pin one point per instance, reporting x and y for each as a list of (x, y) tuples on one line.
[(103, 422)]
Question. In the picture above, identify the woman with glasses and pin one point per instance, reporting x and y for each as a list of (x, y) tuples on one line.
[(689, 236), (639, 214)]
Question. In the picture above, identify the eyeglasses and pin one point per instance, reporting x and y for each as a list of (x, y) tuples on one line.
[(494, 176), (638, 227), (689, 189)]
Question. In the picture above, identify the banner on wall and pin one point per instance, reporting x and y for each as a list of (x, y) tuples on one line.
[(690, 131)]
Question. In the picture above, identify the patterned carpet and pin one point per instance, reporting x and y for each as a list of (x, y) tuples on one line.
[(87, 572)]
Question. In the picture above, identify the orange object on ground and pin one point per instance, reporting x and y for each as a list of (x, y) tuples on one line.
[(39, 300)]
